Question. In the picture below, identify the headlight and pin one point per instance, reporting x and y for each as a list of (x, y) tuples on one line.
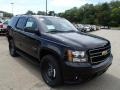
[(76, 56)]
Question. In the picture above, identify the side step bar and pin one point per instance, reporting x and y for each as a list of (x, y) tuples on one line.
[(29, 58)]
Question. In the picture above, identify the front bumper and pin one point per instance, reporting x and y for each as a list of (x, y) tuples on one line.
[(75, 72)]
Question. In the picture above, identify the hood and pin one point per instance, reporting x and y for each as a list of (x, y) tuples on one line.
[(80, 40)]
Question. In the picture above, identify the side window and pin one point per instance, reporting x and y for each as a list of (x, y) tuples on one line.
[(13, 21), (31, 24), (21, 23)]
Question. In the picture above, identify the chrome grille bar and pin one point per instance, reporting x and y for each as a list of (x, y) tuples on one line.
[(96, 54)]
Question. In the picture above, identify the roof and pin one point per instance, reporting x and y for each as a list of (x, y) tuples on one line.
[(36, 16)]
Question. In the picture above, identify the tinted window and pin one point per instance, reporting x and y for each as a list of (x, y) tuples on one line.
[(31, 24), (6, 22), (13, 21), (21, 23)]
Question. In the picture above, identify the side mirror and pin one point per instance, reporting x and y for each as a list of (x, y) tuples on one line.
[(8, 27), (31, 30)]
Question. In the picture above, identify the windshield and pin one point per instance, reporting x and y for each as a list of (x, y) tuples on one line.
[(56, 24)]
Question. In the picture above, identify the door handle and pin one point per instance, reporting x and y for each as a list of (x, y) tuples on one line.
[(34, 48)]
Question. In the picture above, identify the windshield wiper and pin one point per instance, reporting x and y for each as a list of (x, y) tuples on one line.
[(55, 31), (71, 31)]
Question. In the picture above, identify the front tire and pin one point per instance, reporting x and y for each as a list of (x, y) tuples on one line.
[(50, 71)]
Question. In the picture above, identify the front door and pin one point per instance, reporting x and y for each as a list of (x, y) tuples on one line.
[(31, 40)]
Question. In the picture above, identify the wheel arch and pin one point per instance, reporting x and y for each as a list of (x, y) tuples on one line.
[(9, 38), (46, 51)]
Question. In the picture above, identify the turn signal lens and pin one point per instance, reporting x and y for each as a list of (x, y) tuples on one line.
[(70, 55)]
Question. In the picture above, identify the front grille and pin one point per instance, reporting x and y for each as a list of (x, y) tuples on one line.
[(97, 56)]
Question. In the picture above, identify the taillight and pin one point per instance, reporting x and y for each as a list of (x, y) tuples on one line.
[(1, 26)]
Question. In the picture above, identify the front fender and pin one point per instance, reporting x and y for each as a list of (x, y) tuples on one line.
[(54, 47)]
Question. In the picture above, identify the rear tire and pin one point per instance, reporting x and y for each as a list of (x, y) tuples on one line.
[(50, 71), (12, 48)]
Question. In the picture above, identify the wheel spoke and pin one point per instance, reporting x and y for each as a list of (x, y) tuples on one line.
[(54, 73), (51, 72)]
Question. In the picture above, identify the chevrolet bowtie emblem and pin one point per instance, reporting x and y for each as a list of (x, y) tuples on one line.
[(104, 53)]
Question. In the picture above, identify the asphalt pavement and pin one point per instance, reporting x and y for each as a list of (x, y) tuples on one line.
[(20, 74)]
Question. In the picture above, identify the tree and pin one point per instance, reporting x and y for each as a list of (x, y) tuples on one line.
[(115, 17), (6, 14), (88, 14), (115, 4), (105, 14), (71, 15), (51, 13), (29, 12), (41, 13)]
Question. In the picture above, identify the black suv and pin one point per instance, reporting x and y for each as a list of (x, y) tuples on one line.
[(64, 53)]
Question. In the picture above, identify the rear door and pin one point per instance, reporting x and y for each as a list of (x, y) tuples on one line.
[(19, 32)]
